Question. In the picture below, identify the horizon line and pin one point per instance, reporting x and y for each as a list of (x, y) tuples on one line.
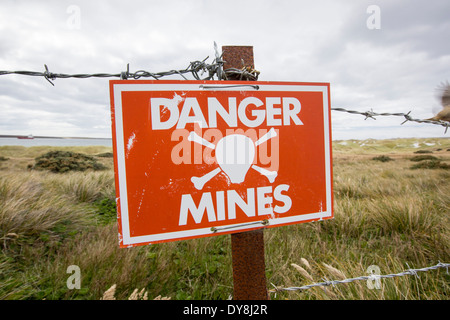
[(49, 137)]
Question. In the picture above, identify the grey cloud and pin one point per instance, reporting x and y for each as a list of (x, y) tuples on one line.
[(392, 69)]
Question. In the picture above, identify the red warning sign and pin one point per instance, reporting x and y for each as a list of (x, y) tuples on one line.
[(202, 158)]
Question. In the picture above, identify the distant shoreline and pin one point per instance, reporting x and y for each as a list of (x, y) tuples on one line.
[(26, 141), (48, 137)]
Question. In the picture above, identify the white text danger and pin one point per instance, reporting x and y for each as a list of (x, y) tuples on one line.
[(274, 111)]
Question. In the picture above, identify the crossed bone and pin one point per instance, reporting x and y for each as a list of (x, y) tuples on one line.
[(199, 182)]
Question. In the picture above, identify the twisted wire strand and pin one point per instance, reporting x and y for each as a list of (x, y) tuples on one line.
[(197, 69), (370, 114), (325, 283)]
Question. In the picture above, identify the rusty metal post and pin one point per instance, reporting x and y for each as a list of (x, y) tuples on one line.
[(247, 248)]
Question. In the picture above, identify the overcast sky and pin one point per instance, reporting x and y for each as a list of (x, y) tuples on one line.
[(389, 62)]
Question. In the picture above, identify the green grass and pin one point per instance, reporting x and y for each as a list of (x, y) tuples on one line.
[(386, 214)]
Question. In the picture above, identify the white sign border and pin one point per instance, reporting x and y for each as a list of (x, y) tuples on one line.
[(118, 88)]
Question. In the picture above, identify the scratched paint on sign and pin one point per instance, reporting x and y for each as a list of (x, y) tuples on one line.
[(192, 162)]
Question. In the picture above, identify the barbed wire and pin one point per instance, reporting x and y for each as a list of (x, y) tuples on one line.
[(197, 69), (194, 68), (371, 114), (408, 272)]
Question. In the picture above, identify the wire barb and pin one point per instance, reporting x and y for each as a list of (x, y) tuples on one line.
[(124, 75), (48, 75), (219, 61), (412, 272)]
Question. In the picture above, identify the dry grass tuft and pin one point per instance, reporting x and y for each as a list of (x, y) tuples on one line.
[(110, 293), (335, 272), (302, 271), (306, 263), (138, 295), (135, 295)]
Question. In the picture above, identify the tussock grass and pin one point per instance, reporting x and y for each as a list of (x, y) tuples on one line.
[(85, 187), (28, 209), (423, 157), (432, 164), (66, 161), (382, 158), (386, 214)]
